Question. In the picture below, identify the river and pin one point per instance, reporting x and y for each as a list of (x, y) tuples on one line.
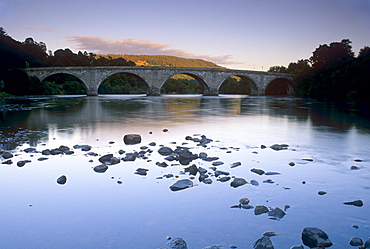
[(121, 209)]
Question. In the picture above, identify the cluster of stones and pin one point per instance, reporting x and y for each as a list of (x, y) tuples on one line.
[(13, 140), (13, 108), (274, 213), (312, 237)]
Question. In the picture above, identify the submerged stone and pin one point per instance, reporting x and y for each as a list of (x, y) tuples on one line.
[(314, 237), (62, 180), (357, 203), (181, 184), (101, 168), (177, 243), (237, 182), (132, 139), (263, 243)]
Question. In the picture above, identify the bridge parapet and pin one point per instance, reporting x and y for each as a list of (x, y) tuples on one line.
[(210, 78)]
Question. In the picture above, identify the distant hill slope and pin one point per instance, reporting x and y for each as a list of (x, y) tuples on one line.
[(163, 61)]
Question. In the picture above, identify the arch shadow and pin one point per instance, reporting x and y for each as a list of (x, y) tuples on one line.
[(201, 81), (244, 85), (280, 86), (123, 83)]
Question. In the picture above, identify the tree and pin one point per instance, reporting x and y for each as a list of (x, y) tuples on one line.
[(277, 69), (325, 55)]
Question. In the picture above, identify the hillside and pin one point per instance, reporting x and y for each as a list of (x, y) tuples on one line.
[(162, 61)]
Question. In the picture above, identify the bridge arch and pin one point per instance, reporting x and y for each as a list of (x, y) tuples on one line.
[(198, 78), (244, 81), (280, 86), (123, 82), (67, 82)]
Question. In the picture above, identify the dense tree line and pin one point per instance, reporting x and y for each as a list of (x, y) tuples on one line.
[(123, 83), (15, 56), (332, 72), (182, 86)]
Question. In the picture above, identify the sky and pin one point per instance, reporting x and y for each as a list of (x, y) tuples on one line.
[(237, 34)]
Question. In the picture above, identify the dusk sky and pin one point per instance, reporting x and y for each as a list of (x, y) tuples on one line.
[(238, 34)]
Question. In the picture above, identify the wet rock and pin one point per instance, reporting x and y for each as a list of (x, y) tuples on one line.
[(321, 192), (356, 241), (354, 167), (237, 182), (367, 244), (100, 168), (46, 152), (42, 159), (263, 243), (62, 180), (268, 181), (307, 159), (21, 163), (297, 247), (357, 203), (263, 146), (202, 176), (244, 201), (29, 150), (258, 171), (165, 151), (291, 164), (7, 155), (121, 152), (213, 247), (217, 163), (7, 162), (130, 157), (207, 181), (162, 164), (177, 243), (314, 237), (181, 184), (132, 139), (82, 147), (269, 234), (220, 172), (271, 173), (152, 144), (255, 182), (224, 179), (203, 155), (63, 148), (141, 171), (236, 164), (202, 170), (260, 210), (105, 158), (210, 159), (279, 146), (165, 130), (193, 169), (277, 213)]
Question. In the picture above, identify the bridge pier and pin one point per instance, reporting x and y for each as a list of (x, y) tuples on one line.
[(153, 91), (210, 92)]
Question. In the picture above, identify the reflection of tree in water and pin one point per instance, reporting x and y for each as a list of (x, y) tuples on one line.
[(65, 105)]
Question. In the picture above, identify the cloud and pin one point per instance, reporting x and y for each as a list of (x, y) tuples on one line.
[(40, 28), (100, 45)]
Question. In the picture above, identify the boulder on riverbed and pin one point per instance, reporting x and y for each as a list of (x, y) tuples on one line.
[(314, 237), (237, 182), (181, 184), (62, 180), (177, 243), (132, 139), (263, 243)]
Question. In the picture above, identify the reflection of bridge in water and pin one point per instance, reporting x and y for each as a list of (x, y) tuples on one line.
[(210, 78)]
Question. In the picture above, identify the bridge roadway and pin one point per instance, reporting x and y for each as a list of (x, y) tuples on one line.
[(210, 78)]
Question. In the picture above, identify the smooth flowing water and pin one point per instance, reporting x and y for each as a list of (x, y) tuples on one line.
[(121, 209)]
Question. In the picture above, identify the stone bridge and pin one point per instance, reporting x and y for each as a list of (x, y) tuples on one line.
[(210, 78)]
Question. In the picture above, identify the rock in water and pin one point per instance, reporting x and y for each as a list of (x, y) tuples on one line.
[(314, 237), (277, 213), (105, 158), (237, 182), (258, 171), (263, 243), (7, 155), (357, 203), (165, 151), (62, 180), (260, 210), (181, 184), (178, 243), (100, 168), (356, 241), (132, 139)]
